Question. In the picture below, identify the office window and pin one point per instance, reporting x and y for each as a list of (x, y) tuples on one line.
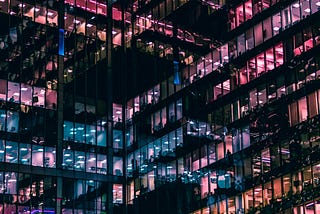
[(253, 98), (258, 200), (303, 111), (243, 76), (240, 18), (2, 151), (136, 104), (50, 157), (79, 160), (260, 64), (233, 48), (37, 155), (248, 197), (26, 94), (101, 135), (256, 165), (117, 193), (68, 131), (269, 59), (217, 91), (298, 44), (262, 95), (67, 159), (312, 105), (295, 12), (50, 100), (307, 38), (91, 162), (224, 53), (275, 157), (307, 177), (244, 102), (204, 186), (265, 160), (117, 166), (241, 44), (90, 135), (276, 23), (278, 54), (79, 133), (277, 188), (286, 18), (3, 116), (172, 141), (249, 39), (25, 154), (13, 92), (235, 111), (232, 19), (258, 34), (213, 181), (3, 87), (179, 109), (171, 110), (101, 164), (4, 5), (267, 193), (248, 10), (143, 157), (220, 150), (245, 137), (117, 139), (11, 184), (12, 121), (267, 29), (285, 152), (38, 96), (305, 8), (171, 171), (236, 140), (165, 145), (286, 184), (163, 90), (252, 68), (11, 152), (316, 175)]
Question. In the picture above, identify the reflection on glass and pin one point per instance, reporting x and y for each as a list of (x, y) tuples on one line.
[(25, 154)]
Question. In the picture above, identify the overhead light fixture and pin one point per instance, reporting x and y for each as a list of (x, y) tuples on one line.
[(37, 9), (89, 25), (318, 3), (307, 10), (50, 13), (276, 28), (296, 5)]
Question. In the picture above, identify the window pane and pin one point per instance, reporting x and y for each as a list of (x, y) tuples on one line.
[(91, 163), (37, 155), (25, 154), (11, 152)]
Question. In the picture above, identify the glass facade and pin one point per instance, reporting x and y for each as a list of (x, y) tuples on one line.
[(148, 106)]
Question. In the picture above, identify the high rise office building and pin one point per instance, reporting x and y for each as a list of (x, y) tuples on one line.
[(153, 106)]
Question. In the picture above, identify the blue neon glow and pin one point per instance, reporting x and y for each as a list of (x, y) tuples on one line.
[(43, 212), (61, 42), (176, 77)]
